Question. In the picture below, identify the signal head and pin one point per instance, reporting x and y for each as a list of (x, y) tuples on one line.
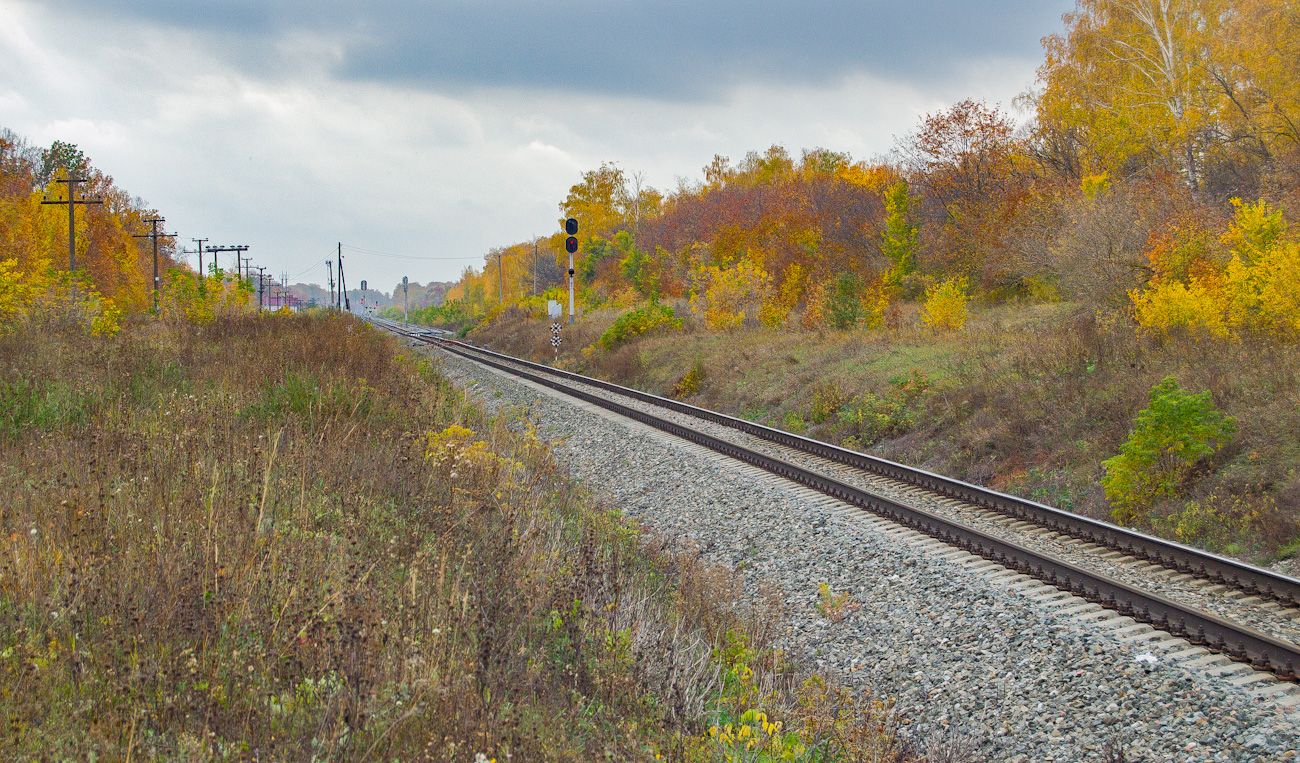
[(571, 245), (571, 226)]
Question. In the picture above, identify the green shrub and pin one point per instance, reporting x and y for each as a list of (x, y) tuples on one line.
[(692, 381), (1169, 437), (1219, 524), (844, 305), (867, 418), (827, 398), (908, 388), (793, 422), (636, 322)]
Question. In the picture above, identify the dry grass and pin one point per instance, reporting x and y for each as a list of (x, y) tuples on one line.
[(226, 542)]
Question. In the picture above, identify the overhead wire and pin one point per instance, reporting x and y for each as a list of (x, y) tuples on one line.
[(313, 268)]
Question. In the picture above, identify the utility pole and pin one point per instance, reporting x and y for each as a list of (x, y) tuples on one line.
[(330, 264), (200, 242), (72, 203), (153, 234), (261, 286), (406, 303), (501, 282), (236, 249), (534, 268), (340, 300), (343, 284)]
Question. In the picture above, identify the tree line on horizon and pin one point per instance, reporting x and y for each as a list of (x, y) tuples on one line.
[(1156, 177)]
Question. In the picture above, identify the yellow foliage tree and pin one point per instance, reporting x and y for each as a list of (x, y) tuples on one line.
[(187, 297), (15, 293), (732, 295), (776, 309), (1174, 303), (875, 301), (945, 305), (814, 309), (1257, 290), (1131, 77)]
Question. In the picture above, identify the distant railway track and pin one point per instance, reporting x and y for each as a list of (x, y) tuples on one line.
[(1242, 593)]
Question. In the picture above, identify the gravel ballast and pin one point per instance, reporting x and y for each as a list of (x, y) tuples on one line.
[(990, 655), (1231, 604)]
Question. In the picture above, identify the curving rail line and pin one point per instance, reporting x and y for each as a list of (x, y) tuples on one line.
[(1200, 627)]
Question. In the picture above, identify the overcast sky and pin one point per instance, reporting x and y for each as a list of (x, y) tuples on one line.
[(442, 129)]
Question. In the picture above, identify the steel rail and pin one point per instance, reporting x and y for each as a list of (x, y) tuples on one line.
[(1203, 564), (1197, 626)]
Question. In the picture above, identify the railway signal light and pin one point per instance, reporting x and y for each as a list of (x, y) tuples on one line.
[(571, 246), (571, 228)]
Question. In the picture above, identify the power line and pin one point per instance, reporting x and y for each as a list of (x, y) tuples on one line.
[(313, 268)]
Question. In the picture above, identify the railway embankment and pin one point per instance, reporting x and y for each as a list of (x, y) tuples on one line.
[(1025, 669), (1028, 399)]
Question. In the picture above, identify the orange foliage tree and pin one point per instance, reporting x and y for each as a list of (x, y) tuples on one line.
[(966, 164)]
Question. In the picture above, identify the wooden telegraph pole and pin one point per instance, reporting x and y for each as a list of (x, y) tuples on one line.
[(72, 202), (201, 242), (237, 250), (153, 234), (330, 264)]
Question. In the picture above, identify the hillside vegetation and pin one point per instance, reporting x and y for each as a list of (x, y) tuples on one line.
[(1028, 399)]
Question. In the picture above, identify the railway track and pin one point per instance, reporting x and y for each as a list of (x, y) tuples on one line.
[(1187, 596)]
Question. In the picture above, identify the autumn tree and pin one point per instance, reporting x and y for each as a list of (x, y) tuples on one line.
[(1253, 58), (59, 158), (598, 202), (1134, 78), (114, 268), (964, 161)]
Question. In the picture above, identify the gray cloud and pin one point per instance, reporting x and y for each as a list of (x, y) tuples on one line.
[(675, 50)]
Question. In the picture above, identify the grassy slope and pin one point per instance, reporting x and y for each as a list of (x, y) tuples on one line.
[(1029, 399), (226, 542)]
